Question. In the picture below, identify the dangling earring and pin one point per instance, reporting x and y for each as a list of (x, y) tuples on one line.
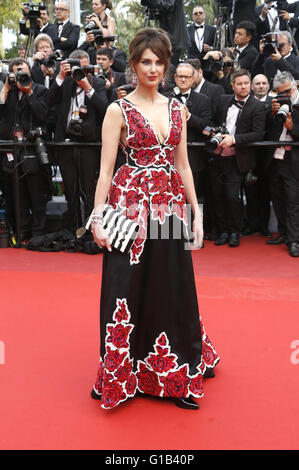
[(163, 82), (134, 80)]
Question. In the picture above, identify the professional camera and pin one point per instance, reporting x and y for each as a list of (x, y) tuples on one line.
[(212, 65), (227, 4), (75, 126), (270, 44), (22, 77), (37, 136), (214, 136), (50, 62), (31, 11), (73, 63)]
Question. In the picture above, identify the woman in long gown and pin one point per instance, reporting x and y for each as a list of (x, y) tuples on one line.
[(152, 339)]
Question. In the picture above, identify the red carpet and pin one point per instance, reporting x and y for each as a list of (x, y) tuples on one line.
[(249, 300)]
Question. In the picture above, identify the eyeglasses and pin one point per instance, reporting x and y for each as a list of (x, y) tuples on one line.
[(184, 77), (198, 13), (61, 9)]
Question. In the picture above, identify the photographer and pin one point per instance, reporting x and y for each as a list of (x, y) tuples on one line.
[(95, 41), (43, 69), (67, 32), (269, 19), (242, 120), (113, 79), (23, 109), (41, 24), (242, 10), (294, 21), (282, 164), (276, 55), (82, 103), (221, 74), (106, 24)]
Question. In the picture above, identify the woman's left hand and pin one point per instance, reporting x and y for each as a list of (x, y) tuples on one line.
[(197, 233)]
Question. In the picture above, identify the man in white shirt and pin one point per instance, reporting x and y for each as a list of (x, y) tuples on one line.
[(67, 32), (202, 35)]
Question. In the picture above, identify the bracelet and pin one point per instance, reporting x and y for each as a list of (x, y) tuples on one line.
[(97, 218)]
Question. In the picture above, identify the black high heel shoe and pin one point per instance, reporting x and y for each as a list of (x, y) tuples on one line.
[(209, 374), (186, 403), (95, 395)]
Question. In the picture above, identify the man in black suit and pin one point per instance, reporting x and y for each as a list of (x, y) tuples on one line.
[(283, 165), (294, 21), (201, 85), (113, 79), (202, 35), (282, 60), (268, 20), (23, 108), (43, 48), (85, 99), (257, 194), (42, 25), (244, 118), (67, 32), (93, 44), (199, 116), (245, 51)]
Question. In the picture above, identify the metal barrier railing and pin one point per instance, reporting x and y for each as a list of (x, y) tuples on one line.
[(14, 146)]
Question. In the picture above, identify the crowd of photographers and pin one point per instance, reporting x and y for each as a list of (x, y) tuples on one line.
[(236, 91)]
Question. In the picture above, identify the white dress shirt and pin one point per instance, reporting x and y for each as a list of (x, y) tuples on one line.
[(198, 36)]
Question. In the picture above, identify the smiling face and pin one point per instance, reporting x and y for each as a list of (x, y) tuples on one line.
[(150, 69)]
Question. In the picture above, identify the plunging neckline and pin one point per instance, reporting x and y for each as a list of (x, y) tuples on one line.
[(150, 124)]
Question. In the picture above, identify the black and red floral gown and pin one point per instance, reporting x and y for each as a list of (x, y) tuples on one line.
[(151, 337)]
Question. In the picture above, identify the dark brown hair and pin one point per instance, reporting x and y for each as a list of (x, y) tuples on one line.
[(240, 73), (154, 39)]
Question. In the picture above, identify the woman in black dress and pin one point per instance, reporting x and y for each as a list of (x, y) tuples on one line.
[(152, 339), (103, 21)]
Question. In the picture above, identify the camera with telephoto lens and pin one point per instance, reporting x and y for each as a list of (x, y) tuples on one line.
[(37, 135), (50, 62), (212, 65), (31, 11), (214, 134), (285, 108), (282, 5), (75, 127), (21, 77), (271, 44)]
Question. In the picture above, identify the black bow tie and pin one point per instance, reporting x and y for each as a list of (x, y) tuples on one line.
[(199, 26), (60, 24), (185, 95), (238, 103)]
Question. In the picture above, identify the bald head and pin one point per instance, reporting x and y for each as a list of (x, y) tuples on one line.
[(260, 86)]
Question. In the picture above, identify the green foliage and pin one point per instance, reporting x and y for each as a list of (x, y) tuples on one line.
[(130, 17), (10, 13)]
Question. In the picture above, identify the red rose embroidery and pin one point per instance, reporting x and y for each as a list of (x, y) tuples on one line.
[(121, 313), (159, 181), (112, 395), (160, 206), (113, 359), (208, 354), (160, 363), (119, 335), (148, 381), (114, 195), (123, 373), (196, 385), (131, 385), (176, 383), (99, 378), (123, 175)]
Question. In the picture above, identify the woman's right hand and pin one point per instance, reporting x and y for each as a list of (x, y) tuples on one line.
[(100, 236)]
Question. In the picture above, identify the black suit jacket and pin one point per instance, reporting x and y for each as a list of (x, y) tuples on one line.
[(31, 111), (50, 30), (71, 32), (263, 27), (96, 106), (244, 10), (269, 67), (247, 57), (208, 38), (274, 130), (294, 22), (199, 107), (213, 92), (250, 128)]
